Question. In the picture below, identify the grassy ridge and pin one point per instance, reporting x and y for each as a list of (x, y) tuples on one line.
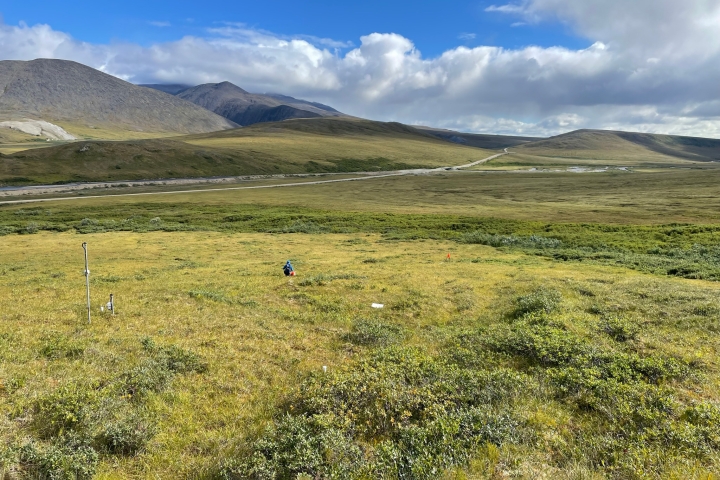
[(294, 146), (628, 147)]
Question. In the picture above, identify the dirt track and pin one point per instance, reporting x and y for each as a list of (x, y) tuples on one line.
[(47, 189)]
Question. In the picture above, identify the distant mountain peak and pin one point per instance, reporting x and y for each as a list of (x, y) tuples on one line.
[(229, 86), (244, 108), (55, 91)]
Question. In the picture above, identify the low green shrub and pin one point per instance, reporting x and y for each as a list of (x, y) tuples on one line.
[(371, 333), (54, 462), (533, 241), (297, 445), (174, 358), (30, 228), (56, 345), (620, 329), (212, 295), (324, 279), (402, 413), (301, 226), (631, 395), (541, 300), (68, 409), (179, 360), (127, 435), (71, 424), (154, 374), (706, 310), (147, 377)]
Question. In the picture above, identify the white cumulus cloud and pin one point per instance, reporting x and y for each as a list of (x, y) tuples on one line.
[(652, 65)]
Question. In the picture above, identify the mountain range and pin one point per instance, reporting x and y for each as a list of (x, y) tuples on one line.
[(63, 100), (73, 95), (244, 108)]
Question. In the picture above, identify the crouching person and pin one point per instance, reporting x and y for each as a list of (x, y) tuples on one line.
[(288, 269)]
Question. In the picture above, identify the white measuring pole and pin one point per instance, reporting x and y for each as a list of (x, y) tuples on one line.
[(87, 279)]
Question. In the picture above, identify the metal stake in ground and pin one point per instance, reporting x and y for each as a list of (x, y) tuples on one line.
[(87, 279)]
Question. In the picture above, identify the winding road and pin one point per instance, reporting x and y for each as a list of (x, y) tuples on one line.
[(41, 189)]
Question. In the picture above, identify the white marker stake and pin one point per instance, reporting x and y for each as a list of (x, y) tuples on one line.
[(87, 279), (377, 305)]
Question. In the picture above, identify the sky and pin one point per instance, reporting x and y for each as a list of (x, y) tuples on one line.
[(528, 67)]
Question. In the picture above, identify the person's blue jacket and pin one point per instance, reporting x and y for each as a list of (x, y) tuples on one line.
[(288, 268)]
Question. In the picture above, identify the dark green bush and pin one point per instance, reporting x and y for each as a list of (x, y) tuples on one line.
[(77, 420), (30, 228), (154, 374), (57, 345), (323, 279), (149, 376), (127, 435), (53, 462), (68, 409), (301, 226), (373, 333), (178, 360), (400, 414), (533, 241), (552, 346), (303, 445), (620, 329), (540, 301), (219, 297), (629, 394), (174, 358), (706, 310)]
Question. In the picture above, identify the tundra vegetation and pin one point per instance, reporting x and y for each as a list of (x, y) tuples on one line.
[(541, 348)]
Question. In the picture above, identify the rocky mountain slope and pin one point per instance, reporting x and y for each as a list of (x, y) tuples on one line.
[(172, 89), (244, 108), (68, 93)]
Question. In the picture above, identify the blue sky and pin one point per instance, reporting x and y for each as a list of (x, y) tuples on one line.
[(434, 26), (525, 67)]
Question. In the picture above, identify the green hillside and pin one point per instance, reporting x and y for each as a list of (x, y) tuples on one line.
[(295, 146), (598, 147)]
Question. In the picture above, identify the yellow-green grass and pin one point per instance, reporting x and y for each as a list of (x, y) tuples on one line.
[(9, 135), (659, 197), (616, 148), (10, 148), (12, 141), (223, 296), (323, 146), (109, 132), (298, 146), (633, 158)]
